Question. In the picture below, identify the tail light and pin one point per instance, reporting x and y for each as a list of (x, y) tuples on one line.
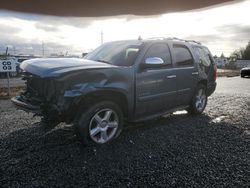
[(215, 72)]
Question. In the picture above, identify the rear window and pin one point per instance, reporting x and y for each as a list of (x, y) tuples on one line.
[(204, 56)]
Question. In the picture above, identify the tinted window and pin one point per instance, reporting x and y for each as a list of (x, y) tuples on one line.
[(203, 55), (161, 51), (182, 55)]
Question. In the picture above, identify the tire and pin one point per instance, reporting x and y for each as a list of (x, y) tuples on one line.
[(242, 76), (100, 123), (199, 100)]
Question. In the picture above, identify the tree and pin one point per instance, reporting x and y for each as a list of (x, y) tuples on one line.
[(238, 54), (222, 55), (246, 54), (243, 53)]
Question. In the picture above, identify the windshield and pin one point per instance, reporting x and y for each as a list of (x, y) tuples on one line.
[(116, 53)]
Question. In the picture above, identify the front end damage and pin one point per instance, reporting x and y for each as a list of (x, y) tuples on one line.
[(43, 97), (59, 89)]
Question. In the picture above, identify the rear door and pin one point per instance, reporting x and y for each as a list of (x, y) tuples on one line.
[(156, 87), (186, 72)]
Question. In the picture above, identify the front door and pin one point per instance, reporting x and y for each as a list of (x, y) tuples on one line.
[(156, 87)]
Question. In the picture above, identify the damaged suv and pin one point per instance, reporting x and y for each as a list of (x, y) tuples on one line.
[(126, 80)]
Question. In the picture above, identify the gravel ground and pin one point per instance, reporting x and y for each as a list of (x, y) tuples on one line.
[(211, 150)]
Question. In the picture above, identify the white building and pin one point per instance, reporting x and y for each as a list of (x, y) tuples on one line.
[(221, 61)]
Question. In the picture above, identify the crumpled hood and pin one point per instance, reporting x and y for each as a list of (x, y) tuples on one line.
[(53, 67)]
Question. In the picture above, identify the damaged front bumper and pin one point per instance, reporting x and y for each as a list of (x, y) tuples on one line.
[(23, 104), (51, 112)]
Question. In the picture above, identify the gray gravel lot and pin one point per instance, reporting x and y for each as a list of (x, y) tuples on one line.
[(177, 150)]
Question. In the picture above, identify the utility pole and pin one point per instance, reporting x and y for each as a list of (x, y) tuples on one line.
[(101, 37), (14, 49), (8, 74), (6, 52)]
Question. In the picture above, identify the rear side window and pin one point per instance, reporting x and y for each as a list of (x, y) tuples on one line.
[(204, 56), (160, 50), (182, 55)]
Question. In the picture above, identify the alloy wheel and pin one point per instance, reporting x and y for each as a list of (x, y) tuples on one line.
[(200, 101), (103, 126)]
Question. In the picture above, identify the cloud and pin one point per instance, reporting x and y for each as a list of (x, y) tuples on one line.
[(10, 30), (98, 8), (36, 48), (43, 20), (226, 38), (232, 32), (238, 30), (18, 45), (223, 28), (46, 22), (68, 21), (46, 27), (204, 38)]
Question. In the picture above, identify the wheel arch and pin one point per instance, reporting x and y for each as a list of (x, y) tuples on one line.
[(203, 82), (113, 95), (200, 82)]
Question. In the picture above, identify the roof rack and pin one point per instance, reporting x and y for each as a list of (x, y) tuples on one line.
[(173, 38), (184, 40), (157, 38)]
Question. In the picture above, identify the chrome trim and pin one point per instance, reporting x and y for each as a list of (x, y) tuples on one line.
[(171, 76), (195, 73), (154, 96)]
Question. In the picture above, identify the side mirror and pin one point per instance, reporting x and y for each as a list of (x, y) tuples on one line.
[(154, 62)]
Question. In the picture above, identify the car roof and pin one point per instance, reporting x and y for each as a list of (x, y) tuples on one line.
[(160, 39), (188, 43)]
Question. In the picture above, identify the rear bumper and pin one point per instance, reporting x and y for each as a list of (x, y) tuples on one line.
[(211, 88), (20, 103)]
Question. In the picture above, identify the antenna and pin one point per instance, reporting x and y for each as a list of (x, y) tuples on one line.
[(101, 37)]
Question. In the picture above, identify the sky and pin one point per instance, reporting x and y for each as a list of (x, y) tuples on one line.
[(223, 28)]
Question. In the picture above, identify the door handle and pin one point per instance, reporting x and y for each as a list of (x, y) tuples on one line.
[(171, 76), (195, 73)]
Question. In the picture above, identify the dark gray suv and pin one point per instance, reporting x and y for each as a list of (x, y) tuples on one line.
[(126, 80)]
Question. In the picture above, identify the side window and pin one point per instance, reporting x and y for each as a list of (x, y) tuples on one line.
[(203, 55), (182, 55), (160, 50)]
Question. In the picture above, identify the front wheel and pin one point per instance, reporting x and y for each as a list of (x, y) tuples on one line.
[(100, 123), (199, 100)]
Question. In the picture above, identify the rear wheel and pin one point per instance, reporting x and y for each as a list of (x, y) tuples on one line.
[(199, 100), (100, 123)]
